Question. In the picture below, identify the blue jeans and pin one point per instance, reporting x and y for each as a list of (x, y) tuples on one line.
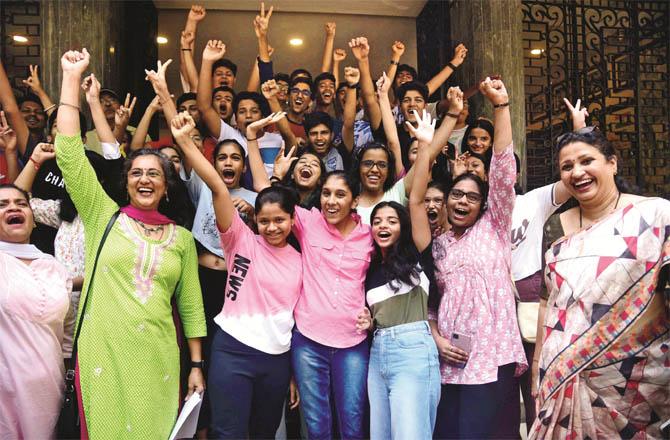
[(403, 382), (321, 370)]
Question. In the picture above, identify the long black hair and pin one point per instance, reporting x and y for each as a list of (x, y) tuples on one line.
[(400, 263), (482, 123), (313, 199), (176, 204)]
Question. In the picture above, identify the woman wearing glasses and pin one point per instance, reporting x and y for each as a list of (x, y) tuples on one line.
[(475, 326), (128, 360)]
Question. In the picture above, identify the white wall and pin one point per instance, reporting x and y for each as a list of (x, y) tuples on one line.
[(235, 29)]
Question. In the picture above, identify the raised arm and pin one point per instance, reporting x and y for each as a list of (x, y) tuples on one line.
[(388, 121), (361, 50), (270, 90), (122, 117), (12, 111), (328, 45), (41, 154), (459, 56), (261, 26), (338, 56), (496, 93), (215, 50), (91, 87), (140, 136), (159, 83), (439, 139), (352, 76), (8, 143), (186, 63), (578, 114), (33, 82), (420, 225), (181, 127), (397, 50), (258, 172)]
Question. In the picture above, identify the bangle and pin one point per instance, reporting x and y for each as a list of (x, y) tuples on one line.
[(35, 164), (452, 115), (68, 105), (396, 63), (185, 50), (254, 139), (453, 67), (49, 108), (504, 104)]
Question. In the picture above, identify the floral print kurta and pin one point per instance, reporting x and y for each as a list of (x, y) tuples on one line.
[(473, 276)]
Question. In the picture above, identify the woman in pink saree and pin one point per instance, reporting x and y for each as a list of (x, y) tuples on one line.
[(603, 364)]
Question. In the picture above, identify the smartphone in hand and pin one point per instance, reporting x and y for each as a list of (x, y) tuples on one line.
[(462, 341)]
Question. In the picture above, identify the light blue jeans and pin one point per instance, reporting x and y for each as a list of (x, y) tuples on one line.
[(403, 382)]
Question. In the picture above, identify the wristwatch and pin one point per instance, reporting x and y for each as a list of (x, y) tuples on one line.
[(198, 364)]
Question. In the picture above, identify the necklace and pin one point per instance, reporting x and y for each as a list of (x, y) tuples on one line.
[(615, 206), (148, 230)]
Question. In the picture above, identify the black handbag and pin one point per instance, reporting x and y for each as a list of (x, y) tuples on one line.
[(69, 425)]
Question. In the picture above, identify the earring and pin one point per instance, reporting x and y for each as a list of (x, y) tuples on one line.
[(167, 197)]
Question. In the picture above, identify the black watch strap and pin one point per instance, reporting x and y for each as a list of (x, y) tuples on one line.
[(198, 364)]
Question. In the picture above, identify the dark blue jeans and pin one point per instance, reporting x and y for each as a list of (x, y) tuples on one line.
[(322, 371), (247, 389)]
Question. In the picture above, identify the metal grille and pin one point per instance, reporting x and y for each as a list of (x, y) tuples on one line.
[(614, 56)]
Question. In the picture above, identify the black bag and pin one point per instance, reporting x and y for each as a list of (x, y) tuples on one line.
[(69, 425)]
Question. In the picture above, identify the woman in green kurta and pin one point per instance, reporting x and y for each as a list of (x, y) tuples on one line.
[(128, 356)]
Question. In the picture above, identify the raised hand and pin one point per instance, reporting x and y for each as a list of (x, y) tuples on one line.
[(330, 28), (339, 55), (197, 13), (8, 138), (91, 87), (425, 128), (181, 126), (271, 50), (42, 153), (214, 50), (262, 21), (157, 78), (283, 163), (455, 98), (243, 206), (33, 81), (494, 90), (360, 48), (383, 85), (125, 111), (352, 75), (187, 38), (363, 320), (459, 55), (257, 126), (155, 104), (75, 62), (460, 165), (398, 49), (578, 114), (270, 89)]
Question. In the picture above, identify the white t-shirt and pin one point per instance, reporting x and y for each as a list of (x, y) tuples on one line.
[(456, 137), (531, 211), (204, 223), (269, 144), (395, 194)]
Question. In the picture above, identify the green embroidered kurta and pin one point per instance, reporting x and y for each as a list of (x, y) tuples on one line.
[(128, 354)]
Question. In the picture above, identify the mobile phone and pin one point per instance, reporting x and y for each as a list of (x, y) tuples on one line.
[(462, 341)]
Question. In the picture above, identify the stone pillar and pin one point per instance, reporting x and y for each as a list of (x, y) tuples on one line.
[(93, 24), (492, 31)]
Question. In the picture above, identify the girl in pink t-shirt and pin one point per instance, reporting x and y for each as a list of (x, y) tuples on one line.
[(250, 364)]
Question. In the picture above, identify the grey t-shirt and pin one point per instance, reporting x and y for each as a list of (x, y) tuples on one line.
[(204, 224)]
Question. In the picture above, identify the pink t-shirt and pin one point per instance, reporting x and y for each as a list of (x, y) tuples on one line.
[(262, 290), (334, 270)]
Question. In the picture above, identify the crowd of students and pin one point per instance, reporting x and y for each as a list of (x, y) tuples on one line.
[(327, 243)]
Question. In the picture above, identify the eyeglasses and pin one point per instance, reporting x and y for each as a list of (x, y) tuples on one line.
[(304, 92), (457, 194), (368, 164), (151, 173), (584, 130)]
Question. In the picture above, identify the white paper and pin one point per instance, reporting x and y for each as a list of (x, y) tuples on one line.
[(187, 422)]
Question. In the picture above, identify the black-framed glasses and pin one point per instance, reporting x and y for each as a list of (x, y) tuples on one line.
[(583, 130), (473, 197), (368, 164), (304, 92)]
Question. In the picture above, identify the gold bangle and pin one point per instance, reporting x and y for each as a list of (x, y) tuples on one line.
[(68, 105)]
